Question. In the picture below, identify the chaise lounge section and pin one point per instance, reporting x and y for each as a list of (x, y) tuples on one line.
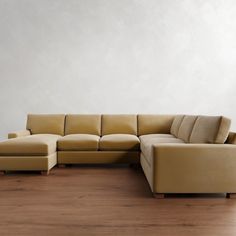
[(34, 149)]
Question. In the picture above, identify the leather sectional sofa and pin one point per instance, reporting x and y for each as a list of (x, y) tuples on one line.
[(178, 153)]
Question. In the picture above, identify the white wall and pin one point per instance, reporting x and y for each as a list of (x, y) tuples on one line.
[(116, 56)]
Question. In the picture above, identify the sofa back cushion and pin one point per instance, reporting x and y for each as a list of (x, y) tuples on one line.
[(231, 138), (210, 129), (83, 124), (176, 125), (154, 124), (119, 124), (46, 123), (186, 127)]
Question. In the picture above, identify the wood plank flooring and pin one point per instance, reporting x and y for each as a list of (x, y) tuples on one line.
[(105, 200)]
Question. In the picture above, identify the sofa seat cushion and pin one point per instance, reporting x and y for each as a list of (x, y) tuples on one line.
[(78, 142), (152, 136), (119, 142), (32, 145), (146, 144)]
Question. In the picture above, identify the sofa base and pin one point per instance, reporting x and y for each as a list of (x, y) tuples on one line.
[(97, 157), (28, 163), (45, 172), (231, 195), (162, 195)]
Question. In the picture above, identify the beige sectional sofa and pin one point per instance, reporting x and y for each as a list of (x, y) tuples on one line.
[(178, 153)]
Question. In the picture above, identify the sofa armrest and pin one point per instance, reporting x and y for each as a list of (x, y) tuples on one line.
[(195, 150), (194, 168), (18, 134)]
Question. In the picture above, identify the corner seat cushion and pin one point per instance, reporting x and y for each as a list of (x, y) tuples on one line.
[(32, 145), (147, 143), (119, 142), (78, 142)]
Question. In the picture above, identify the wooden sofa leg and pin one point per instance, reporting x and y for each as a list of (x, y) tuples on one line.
[(45, 172), (61, 165), (231, 195), (159, 195)]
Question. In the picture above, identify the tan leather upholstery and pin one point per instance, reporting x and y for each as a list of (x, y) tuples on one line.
[(91, 157), (154, 124), (29, 163), (176, 125), (119, 142), (78, 142), (147, 143), (119, 124), (46, 124), (186, 127), (231, 138), (83, 124), (33, 145), (210, 129), (18, 134), (194, 168)]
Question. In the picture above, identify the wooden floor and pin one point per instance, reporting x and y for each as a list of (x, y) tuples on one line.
[(105, 200)]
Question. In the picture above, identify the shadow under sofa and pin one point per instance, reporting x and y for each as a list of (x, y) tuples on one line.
[(178, 153)]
